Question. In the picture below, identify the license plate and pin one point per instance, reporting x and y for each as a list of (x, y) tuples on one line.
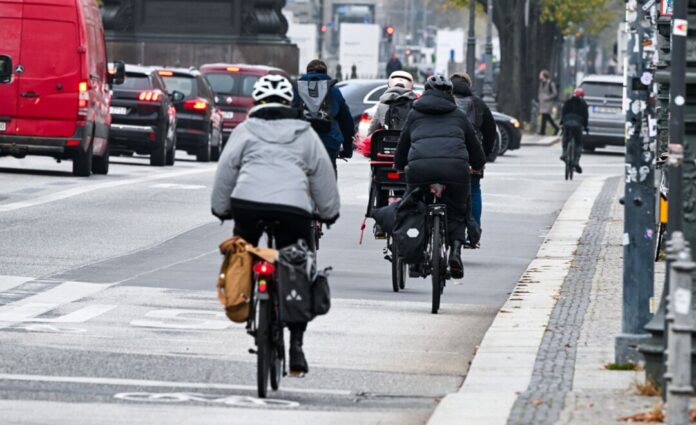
[(227, 115), (606, 110), (118, 110), (3, 126)]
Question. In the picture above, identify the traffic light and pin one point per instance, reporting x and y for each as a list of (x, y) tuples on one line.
[(324, 28), (389, 33)]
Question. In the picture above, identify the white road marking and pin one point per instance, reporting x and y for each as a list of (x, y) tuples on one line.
[(80, 190), (67, 292), (174, 319), (233, 400), (9, 282), (165, 384), (177, 186)]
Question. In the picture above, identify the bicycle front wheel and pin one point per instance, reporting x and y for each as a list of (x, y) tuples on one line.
[(276, 362), (436, 262), (263, 347)]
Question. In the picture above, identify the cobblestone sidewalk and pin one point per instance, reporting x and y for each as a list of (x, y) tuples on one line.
[(595, 396)]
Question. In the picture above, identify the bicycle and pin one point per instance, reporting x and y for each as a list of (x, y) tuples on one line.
[(569, 155), (437, 244), (264, 322)]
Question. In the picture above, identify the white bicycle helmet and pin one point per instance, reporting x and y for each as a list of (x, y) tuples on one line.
[(272, 86), (401, 79)]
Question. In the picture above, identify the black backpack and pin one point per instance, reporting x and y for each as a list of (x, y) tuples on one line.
[(315, 101), (395, 118), (468, 106), (409, 229)]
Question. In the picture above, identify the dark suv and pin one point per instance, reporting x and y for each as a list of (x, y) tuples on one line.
[(143, 118), (199, 121)]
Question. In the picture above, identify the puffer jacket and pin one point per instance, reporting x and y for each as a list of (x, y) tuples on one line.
[(574, 113), (391, 96), (275, 161), (438, 142)]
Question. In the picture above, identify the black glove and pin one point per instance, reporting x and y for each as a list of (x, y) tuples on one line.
[(329, 221), (345, 154)]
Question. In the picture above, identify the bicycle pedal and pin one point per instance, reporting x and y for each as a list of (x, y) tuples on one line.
[(252, 351)]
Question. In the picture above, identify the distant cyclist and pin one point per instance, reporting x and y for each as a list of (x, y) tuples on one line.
[(274, 168), (324, 106), (395, 103), (438, 145), (481, 118), (574, 118)]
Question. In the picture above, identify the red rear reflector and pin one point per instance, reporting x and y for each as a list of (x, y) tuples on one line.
[(73, 143), (262, 286), (233, 68), (393, 175), (152, 136), (264, 269), (166, 73)]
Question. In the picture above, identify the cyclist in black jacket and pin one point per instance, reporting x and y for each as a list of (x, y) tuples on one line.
[(438, 145), (574, 118)]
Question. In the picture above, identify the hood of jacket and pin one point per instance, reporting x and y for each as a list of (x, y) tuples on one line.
[(395, 94), (315, 76), (276, 130), (435, 102), (461, 88)]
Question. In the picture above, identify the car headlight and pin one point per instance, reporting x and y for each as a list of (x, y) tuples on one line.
[(515, 122)]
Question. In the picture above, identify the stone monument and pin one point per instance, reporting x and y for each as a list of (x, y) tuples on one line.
[(193, 32)]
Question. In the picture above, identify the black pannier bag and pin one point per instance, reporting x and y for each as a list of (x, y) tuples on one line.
[(409, 228), (321, 294), (295, 274)]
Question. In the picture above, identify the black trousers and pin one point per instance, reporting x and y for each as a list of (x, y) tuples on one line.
[(547, 118), (574, 134), (457, 198), (290, 228)]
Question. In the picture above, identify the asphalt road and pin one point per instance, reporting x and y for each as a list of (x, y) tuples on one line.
[(108, 315)]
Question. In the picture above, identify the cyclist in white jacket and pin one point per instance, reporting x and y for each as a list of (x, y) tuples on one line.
[(275, 168)]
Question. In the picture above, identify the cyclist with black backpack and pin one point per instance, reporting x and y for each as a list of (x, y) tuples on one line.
[(275, 169), (481, 118), (323, 105), (395, 103)]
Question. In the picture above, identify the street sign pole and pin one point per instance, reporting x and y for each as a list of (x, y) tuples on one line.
[(488, 93), (639, 196), (471, 41)]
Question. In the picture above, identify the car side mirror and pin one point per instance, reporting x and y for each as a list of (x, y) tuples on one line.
[(177, 97), (117, 75), (5, 69)]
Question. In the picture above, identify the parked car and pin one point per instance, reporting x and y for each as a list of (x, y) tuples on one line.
[(143, 117), (233, 85), (604, 96), (198, 119), (54, 84)]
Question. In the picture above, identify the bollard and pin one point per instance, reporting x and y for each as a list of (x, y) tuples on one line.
[(678, 376)]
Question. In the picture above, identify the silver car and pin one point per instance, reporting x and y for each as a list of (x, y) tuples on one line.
[(604, 97)]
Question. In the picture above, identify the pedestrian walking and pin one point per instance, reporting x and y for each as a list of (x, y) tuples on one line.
[(548, 93), (394, 64)]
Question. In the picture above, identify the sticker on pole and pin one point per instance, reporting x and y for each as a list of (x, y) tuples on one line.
[(680, 27), (682, 301)]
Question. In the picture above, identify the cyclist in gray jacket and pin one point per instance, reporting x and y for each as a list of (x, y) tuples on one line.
[(275, 168)]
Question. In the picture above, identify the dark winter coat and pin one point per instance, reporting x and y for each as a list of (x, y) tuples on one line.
[(394, 64), (574, 113), (487, 126), (342, 128), (438, 143)]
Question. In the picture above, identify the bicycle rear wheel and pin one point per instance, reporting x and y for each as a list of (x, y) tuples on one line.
[(263, 347), (436, 263), (398, 268)]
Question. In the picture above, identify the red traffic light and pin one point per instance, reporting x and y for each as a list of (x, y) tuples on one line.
[(324, 28), (389, 30)]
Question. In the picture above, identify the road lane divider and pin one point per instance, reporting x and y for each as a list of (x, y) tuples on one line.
[(87, 188), (503, 365)]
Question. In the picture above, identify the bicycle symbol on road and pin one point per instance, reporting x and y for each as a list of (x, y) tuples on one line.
[(235, 400)]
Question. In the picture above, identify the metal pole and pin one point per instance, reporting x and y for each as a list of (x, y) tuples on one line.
[(320, 34), (488, 93), (471, 41), (678, 376), (639, 197)]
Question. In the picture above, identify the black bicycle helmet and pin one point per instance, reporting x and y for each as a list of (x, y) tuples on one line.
[(438, 82)]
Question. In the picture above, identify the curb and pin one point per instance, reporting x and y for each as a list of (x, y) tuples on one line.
[(502, 367), (540, 141)]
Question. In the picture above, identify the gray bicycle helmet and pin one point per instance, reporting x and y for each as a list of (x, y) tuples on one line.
[(439, 82)]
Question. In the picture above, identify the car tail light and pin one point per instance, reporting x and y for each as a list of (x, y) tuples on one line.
[(83, 99), (165, 73), (150, 96), (72, 143), (264, 269), (196, 105), (393, 175), (233, 68)]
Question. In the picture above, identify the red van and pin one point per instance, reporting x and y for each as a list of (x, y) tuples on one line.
[(54, 84), (233, 85)]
